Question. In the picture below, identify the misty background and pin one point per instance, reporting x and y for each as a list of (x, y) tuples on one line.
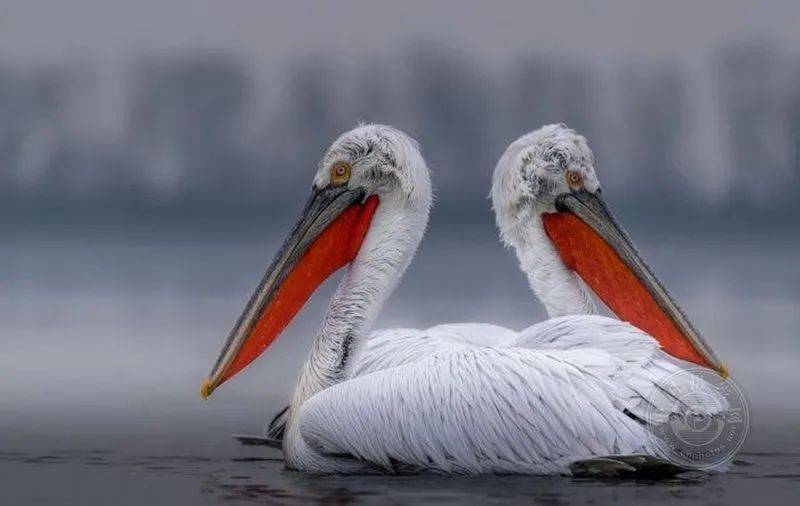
[(153, 154)]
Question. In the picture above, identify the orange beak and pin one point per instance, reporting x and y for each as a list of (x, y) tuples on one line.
[(592, 244), (327, 237)]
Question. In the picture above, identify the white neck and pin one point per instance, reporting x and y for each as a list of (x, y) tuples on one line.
[(396, 230), (557, 287)]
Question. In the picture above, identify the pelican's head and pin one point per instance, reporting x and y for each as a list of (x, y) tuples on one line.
[(534, 172), (547, 198), (366, 168), (378, 160)]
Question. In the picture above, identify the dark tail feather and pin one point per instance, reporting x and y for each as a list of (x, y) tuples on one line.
[(250, 440), (277, 427)]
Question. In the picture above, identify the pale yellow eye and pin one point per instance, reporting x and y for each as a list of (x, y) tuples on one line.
[(340, 173), (574, 178)]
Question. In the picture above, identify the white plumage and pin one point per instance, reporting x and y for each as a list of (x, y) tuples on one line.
[(465, 398), (566, 389)]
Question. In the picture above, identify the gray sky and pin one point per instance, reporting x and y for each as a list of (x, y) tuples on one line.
[(271, 31), (108, 37)]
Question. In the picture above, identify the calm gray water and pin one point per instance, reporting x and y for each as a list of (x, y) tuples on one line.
[(106, 335), (135, 476)]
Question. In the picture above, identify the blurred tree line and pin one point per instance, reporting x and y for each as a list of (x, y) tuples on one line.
[(202, 127)]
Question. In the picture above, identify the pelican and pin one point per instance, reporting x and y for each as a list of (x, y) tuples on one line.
[(469, 398), (549, 208)]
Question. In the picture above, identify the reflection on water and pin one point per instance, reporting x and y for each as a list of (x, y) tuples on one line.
[(128, 479)]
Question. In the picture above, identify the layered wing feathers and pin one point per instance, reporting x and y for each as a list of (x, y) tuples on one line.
[(478, 410)]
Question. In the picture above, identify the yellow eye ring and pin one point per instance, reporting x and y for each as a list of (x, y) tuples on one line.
[(340, 173), (574, 178)]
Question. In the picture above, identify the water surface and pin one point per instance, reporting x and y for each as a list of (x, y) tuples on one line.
[(107, 334)]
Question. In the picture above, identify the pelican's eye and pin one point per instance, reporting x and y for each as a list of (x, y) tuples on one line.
[(574, 179), (340, 173)]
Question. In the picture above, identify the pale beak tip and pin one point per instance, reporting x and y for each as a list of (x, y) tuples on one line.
[(206, 389), (723, 371)]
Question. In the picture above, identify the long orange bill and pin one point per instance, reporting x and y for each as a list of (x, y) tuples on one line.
[(327, 236), (592, 243)]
